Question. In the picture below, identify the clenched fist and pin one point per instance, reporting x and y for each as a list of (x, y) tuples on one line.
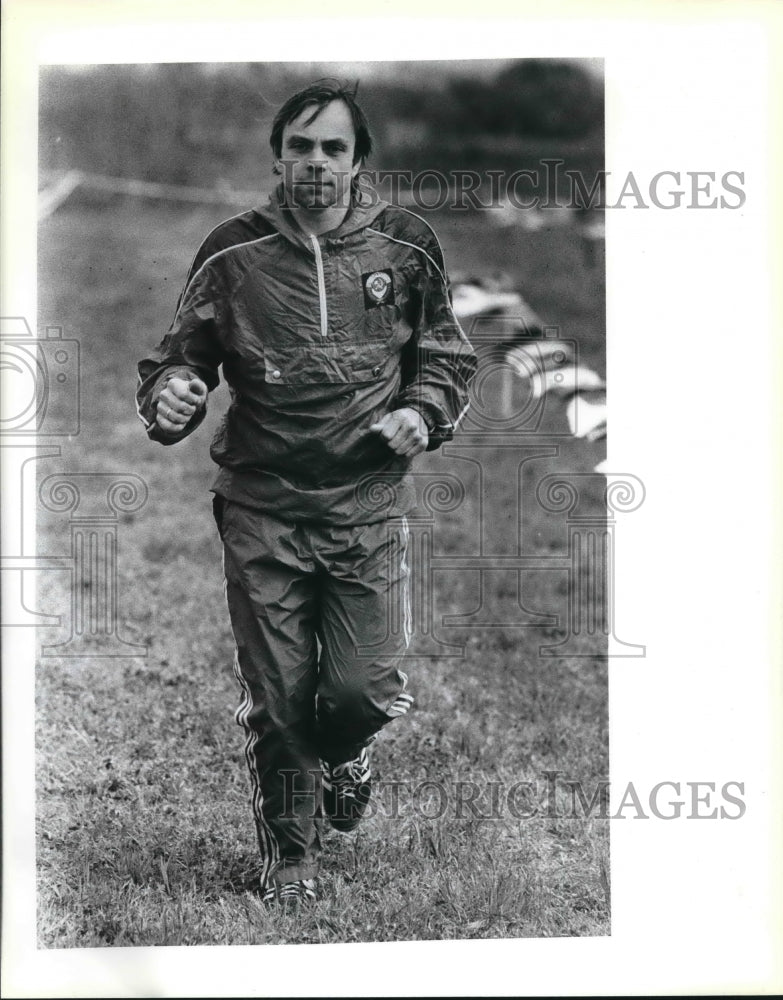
[(404, 431), (177, 403)]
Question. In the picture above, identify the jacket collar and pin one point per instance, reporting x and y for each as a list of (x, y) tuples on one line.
[(365, 208)]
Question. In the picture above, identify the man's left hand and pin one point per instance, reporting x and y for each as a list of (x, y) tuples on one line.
[(404, 431)]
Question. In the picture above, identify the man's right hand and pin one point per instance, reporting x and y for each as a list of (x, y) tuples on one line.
[(177, 403)]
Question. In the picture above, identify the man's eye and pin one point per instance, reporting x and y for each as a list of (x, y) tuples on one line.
[(334, 148)]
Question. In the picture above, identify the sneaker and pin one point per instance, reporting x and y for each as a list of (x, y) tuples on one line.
[(346, 791), (300, 891)]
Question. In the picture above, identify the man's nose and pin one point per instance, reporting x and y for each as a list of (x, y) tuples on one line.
[(318, 158)]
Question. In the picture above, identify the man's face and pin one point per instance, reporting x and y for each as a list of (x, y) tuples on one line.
[(317, 158)]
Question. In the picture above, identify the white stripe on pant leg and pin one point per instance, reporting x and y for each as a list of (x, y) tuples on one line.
[(401, 705), (406, 590), (403, 701), (267, 842)]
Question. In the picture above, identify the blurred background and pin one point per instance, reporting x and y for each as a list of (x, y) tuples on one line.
[(208, 125)]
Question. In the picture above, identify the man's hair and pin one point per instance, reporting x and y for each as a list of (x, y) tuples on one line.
[(317, 96)]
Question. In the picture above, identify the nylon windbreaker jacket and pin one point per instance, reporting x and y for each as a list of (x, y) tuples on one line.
[(318, 337)]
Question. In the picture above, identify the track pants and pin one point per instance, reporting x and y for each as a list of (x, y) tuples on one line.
[(321, 620)]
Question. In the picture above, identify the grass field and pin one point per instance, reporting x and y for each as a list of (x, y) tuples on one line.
[(144, 825)]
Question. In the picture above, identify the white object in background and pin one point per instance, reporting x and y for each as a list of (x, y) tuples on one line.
[(548, 368), (586, 414), (469, 299)]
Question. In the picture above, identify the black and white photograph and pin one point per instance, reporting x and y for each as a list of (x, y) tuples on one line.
[(367, 446), (407, 513)]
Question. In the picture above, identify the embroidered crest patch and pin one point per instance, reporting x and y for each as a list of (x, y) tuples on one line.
[(378, 288)]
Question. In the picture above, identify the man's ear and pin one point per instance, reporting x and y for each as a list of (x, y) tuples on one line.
[(277, 170)]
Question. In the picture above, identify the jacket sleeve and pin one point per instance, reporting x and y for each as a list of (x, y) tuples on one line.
[(190, 349), (438, 361)]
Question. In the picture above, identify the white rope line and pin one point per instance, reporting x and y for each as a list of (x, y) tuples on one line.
[(50, 199)]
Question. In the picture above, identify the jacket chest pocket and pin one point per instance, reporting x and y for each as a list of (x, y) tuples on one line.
[(372, 360)]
